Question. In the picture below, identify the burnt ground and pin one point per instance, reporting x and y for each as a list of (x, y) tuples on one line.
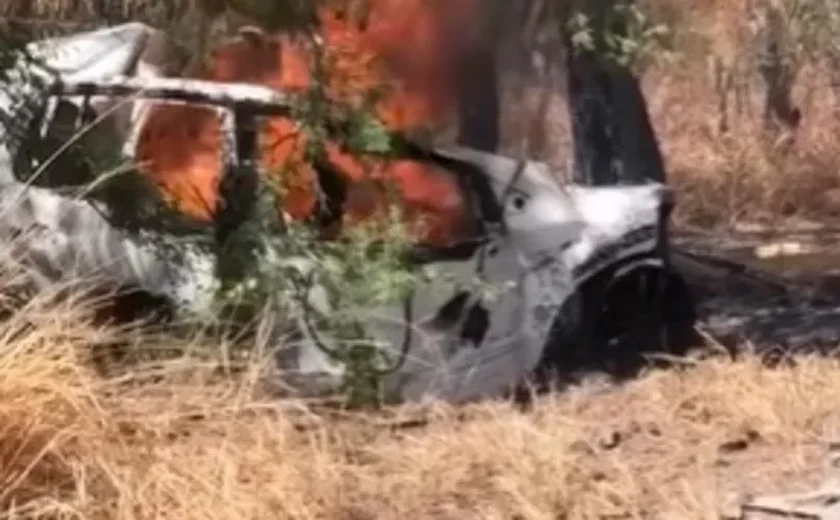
[(784, 303)]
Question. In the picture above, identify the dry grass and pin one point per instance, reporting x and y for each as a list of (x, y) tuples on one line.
[(172, 442), (744, 173)]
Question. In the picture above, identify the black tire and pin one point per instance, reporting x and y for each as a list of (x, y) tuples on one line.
[(613, 325)]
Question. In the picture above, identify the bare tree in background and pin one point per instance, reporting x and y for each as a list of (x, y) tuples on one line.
[(778, 66)]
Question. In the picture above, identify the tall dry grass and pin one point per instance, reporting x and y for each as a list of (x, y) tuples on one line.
[(744, 173), (175, 439)]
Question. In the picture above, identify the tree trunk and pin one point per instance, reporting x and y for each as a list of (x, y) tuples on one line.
[(478, 88), (478, 102), (614, 140), (779, 72)]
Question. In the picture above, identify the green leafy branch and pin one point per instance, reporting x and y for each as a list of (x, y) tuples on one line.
[(637, 39)]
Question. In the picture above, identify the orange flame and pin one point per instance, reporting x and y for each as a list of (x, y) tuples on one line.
[(408, 45)]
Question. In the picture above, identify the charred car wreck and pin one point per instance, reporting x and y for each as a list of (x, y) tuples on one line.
[(587, 267)]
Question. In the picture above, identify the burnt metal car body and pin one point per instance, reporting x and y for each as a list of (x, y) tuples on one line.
[(586, 270)]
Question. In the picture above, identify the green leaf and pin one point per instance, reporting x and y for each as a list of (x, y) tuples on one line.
[(369, 135)]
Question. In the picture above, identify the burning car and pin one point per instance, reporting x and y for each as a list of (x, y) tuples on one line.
[(585, 270)]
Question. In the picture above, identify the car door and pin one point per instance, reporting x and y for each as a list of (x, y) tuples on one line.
[(481, 325)]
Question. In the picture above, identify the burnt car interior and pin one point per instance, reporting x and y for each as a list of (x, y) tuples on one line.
[(68, 167)]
